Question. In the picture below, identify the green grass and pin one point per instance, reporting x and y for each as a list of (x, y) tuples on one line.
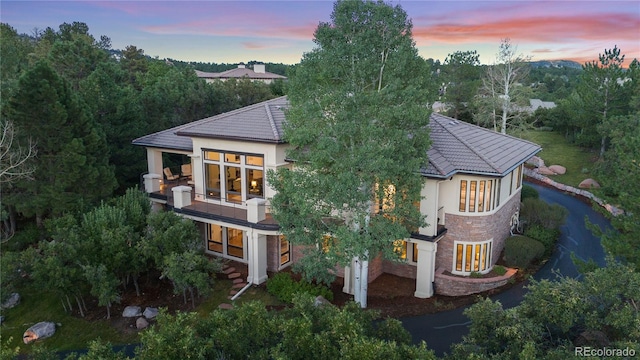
[(556, 150), (75, 333)]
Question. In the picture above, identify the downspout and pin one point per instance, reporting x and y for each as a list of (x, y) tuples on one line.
[(241, 291)]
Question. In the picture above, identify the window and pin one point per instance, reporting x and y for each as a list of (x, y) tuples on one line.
[(481, 196), (498, 187), (415, 253), (519, 178), (285, 250), (472, 257), (233, 177), (472, 196), (488, 201), (463, 195), (400, 248), (226, 241)]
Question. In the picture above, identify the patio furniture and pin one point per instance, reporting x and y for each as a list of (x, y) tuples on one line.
[(169, 175)]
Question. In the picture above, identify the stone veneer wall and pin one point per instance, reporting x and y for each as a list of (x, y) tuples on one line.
[(400, 269), (457, 286), (476, 229)]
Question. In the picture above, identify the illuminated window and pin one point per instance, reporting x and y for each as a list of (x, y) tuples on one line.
[(400, 248), (519, 177), (463, 195), (238, 177), (488, 201), (226, 241), (481, 196), (472, 257), (285, 250), (472, 196)]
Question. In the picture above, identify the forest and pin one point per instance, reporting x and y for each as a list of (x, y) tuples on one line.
[(71, 106)]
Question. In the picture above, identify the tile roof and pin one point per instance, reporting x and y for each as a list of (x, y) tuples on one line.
[(456, 146), (238, 73)]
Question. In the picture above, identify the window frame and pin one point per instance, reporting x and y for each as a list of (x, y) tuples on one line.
[(241, 164), (472, 256), (225, 244)]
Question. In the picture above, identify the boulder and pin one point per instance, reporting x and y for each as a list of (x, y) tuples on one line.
[(535, 161), (150, 313), (41, 330), (13, 300), (588, 184), (132, 311), (141, 323), (558, 169), (543, 170), (321, 301)]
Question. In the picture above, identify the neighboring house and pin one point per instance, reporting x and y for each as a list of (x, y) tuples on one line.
[(471, 195), (258, 74), (535, 104)]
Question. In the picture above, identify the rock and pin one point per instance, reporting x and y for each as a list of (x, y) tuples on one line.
[(132, 311), (141, 323), (150, 313), (588, 184), (41, 330), (558, 169), (13, 300), (535, 161), (320, 301), (543, 170)]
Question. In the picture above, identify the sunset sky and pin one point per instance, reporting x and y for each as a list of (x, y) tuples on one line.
[(281, 31)]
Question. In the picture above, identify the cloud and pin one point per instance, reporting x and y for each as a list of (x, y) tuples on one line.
[(537, 29)]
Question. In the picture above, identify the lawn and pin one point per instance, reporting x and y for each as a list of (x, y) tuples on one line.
[(74, 332), (556, 150)]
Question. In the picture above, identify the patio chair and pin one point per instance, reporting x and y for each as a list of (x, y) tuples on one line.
[(169, 175), (185, 171)]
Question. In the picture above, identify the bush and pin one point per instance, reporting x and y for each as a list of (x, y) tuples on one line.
[(520, 251), (499, 270), (538, 212), (547, 237), (528, 192), (282, 286)]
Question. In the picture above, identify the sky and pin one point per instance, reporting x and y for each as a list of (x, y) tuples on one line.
[(282, 31)]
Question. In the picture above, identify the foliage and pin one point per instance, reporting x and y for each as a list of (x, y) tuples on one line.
[(528, 192), (554, 314), (169, 233), (284, 287), (537, 212), (357, 127), (521, 251), (547, 236), (502, 92), (499, 270), (462, 80), (190, 270)]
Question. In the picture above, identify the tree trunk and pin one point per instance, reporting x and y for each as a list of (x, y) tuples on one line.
[(69, 303), (63, 305), (184, 296), (109, 311), (135, 284), (193, 301), (79, 306)]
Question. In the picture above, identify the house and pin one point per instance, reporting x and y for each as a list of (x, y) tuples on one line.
[(471, 196), (257, 74)]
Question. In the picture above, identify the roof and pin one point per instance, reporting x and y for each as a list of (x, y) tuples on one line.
[(261, 122), (460, 147), (238, 73), (456, 146)]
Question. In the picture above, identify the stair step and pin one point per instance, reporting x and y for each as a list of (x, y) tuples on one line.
[(234, 275), (229, 270), (237, 281), (239, 285), (225, 306)]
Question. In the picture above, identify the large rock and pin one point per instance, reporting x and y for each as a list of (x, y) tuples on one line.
[(536, 161), (41, 330), (150, 313), (132, 311), (543, 170), (141, 323), (13, 300), (321, 301), (588, 184), (558, 169)]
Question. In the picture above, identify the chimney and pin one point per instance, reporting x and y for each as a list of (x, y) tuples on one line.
[(258, 68)]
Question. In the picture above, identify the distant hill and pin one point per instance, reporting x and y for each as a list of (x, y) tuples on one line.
[(556, 63)]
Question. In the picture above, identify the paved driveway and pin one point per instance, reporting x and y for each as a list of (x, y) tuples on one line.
[(443, 329)]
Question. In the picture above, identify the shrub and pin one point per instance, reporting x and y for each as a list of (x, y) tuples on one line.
[(538, 212), (499, 270), (282, 286), (547, 237), (520, 251), (528, 192), (475, 274)]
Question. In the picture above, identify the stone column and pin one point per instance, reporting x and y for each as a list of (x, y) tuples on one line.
[(181, 196), (426, 269), (154, 161)]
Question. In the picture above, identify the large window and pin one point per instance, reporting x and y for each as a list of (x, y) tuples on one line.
[(233, 177), (406, 251), (479, 195), (226, 241), (472, 257)]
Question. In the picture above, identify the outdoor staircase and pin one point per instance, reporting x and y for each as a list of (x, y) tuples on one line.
[(238, 284)]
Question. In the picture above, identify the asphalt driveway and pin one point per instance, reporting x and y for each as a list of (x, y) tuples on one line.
[(440, 330)]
